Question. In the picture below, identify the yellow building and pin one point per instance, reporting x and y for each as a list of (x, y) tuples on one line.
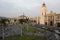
[(49, 19), (16, 20), (22, 17), (33, 20)]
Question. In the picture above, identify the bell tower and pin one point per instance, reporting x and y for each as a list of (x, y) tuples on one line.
[(43, 10), (43, 14)]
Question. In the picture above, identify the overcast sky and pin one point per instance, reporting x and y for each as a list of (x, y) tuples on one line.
[(31, 8)]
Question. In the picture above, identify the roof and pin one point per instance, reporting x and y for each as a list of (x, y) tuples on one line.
[(22, 16), (57, 14)]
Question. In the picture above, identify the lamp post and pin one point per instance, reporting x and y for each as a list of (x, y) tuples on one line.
[(3, 32), (27, 27), (21, 29)]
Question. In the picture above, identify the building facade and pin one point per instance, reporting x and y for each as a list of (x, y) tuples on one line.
[(49, 19)]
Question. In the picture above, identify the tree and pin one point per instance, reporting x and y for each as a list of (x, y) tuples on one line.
[(3, 21), (3, 24), (23, 20), (15, 20)]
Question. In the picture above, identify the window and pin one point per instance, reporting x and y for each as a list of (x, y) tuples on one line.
[(42, 13), (51, 16), (45, 13)]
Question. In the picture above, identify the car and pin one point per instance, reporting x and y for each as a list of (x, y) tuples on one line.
[(57, 31), (44, 28)]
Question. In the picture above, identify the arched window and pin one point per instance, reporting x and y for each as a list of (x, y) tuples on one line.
[(42, 13)]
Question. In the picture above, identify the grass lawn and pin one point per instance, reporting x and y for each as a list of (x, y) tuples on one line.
[(25, 37), (31, 29)]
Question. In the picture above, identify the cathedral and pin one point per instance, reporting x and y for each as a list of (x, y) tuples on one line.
[(46, 18), (49, 19)]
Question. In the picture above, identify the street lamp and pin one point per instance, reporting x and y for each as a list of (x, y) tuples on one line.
[(21, 29), (27, 27)]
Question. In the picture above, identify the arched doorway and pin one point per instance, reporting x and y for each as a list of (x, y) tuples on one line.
[(58, 24), (45, 23), (51, 23)]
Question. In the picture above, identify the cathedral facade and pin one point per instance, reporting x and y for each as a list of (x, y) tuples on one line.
[(49, 19)]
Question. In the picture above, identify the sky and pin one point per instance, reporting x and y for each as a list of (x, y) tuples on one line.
[(30, 8)]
